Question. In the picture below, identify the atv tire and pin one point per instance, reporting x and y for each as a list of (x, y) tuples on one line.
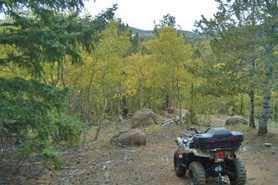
[(237, 166), (196, 174), (179, 170)]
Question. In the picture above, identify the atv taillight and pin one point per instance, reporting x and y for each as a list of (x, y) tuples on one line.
[(233, 139), (221, 153), (180, 156), (212, 141)]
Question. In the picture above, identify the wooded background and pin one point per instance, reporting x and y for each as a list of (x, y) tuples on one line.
[(62, 71)]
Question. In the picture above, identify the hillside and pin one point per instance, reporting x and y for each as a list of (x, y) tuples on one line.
[(102, 163), (149, 34)]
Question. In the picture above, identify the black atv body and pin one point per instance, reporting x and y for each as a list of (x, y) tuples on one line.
[(211, 153)]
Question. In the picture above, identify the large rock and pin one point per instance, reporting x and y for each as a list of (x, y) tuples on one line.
[(236, 120), (132, 137), (143, 118), (171, 110)]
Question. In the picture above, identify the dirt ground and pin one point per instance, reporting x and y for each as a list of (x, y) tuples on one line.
[(103, 163)]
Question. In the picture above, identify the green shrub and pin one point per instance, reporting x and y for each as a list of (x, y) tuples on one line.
[(66, 128), (51, 158)]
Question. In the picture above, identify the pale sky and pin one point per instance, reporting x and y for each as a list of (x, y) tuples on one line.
[(142, 13)]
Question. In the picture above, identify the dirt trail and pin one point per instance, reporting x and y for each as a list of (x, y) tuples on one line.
[(149, 165)]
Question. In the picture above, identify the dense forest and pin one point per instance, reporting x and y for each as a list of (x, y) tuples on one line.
[(62, 70)]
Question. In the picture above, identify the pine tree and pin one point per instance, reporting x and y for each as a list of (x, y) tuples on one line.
[(37, 33)]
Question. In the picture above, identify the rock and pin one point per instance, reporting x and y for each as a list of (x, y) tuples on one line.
[(130, 138), (267, 144), (143, 118), (236, 120), (166, 114), (171, 110), (119, 118)]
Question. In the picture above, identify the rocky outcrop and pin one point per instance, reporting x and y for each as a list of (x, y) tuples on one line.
[(132, 137), (143, 118), (236, 120)]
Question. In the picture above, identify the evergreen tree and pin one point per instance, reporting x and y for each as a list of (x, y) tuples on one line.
[(37, 33)]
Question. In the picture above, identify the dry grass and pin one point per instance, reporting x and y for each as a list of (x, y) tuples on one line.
[(155, 130)]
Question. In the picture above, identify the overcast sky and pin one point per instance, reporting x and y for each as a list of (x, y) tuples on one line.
[(142, 13)]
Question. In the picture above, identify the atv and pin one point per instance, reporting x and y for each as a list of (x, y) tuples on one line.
[(210, 153)]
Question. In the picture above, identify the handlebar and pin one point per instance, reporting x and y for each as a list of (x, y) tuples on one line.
[(193, 129), (196, 131)]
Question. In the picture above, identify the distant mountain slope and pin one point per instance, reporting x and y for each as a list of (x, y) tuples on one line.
[(144, 34), (136, 30), (149, 34)]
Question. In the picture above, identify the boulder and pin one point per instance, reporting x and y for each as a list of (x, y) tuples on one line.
[(165, 114), (236, 120), (143, 118), (171, 110), (119, 118), (132, 137)]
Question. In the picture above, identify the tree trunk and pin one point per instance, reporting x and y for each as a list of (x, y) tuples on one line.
[(174, 102), (141, 94), (252, 109), (203, 105), (167, 101), (114, 117), (101, 119), (90, 108), (267, 99), (180, 102), (125, 107), (103, 109), (271, 43), (252, 93), (141, 98), (265, 112), (274, 103)]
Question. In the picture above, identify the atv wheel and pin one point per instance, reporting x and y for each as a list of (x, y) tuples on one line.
[(180, 170), (197, 175), (237, 166)]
